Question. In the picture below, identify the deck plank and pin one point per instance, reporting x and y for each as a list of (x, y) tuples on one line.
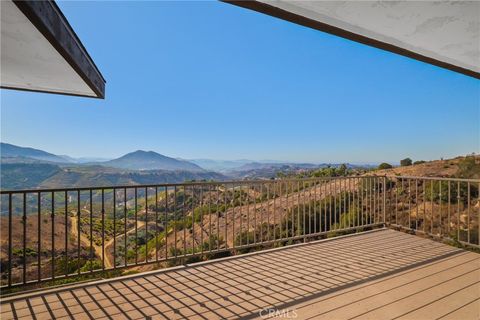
[(375, 275)]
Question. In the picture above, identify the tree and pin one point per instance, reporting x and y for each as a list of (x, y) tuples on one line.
[(384, 165), (342, 170), (406, 162)]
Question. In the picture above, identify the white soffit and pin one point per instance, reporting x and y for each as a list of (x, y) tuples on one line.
[(444, 33), (29, 61)]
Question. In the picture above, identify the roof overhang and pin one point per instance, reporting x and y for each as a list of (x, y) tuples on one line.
[(41, 52), (442, 33)]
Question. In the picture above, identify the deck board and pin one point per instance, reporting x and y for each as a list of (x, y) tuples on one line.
[(375, 275)]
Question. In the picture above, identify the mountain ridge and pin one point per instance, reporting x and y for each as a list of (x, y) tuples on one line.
[(150, 160)]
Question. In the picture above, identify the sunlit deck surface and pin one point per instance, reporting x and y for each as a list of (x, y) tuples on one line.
[(382, 274)]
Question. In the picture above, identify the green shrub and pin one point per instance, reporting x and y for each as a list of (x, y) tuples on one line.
[(419, 162), (384, 165), (468, 168), (91, 265)]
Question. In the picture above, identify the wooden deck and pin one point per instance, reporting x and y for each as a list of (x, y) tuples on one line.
[(382, 274)]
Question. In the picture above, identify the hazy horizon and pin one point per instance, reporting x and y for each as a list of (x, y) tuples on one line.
[(102, 158)]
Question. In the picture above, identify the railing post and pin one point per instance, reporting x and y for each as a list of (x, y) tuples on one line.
[(384, 200)]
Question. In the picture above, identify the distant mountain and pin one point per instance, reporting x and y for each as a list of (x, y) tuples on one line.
[(12, 151), (149, 160)]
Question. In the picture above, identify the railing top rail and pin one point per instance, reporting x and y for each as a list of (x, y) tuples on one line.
[(232, 182), (193, 183)]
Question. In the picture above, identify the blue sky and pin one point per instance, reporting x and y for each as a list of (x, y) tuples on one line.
[(211, 80)]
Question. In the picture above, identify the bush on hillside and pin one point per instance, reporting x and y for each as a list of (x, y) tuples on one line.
[(419, 162), (385, 165), (468, 168)]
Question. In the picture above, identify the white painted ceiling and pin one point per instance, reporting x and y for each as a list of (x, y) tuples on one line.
[(29, 61), (448, 31)]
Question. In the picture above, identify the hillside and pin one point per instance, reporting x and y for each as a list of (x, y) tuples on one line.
[(10, 150), (460, 167), (42, 175), (26, 175), (93, 176), (149, 160)]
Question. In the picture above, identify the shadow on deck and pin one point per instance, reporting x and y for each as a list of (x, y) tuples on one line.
[(381, 274)]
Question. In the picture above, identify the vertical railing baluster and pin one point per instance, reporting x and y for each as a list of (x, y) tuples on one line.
[(156, 224), (53, 235), (345, 195), (10, 230), (330, 198), (103, 228), (304, 196), (91, 231), (217, 240), (175, 219), (202, 226), (165, 226), (432, 202), (66, 232), (268, 210), (374, 198), (298, 209), (416, 205), (384, 201), (361, 201), (274, 212), (335, 219), (304, 191), (185, 222), (254, 213), (440, 207), (468, 213), (210, 217), (24, 219), (396, 201), (260, 202), (449, 208), (458, 211), (125, 247), (353, 205), (146, 224), (287, 209), (409, 203), (79, 230), (315, 206), (225, 217), (39, 244), (114, 228), (193, 219), (136, 225), (233, 215), (424, 184)]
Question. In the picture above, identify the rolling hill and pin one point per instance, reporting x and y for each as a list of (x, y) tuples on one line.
[(150, 160)]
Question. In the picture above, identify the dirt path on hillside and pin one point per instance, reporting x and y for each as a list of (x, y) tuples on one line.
[(98, 249), (108, 257)]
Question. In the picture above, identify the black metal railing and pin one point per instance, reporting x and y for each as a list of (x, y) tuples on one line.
[(57, 233)]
